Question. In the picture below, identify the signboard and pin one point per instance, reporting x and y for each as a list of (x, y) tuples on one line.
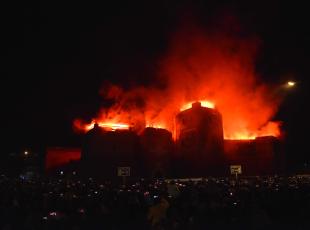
[(123, 171), (235, 169)]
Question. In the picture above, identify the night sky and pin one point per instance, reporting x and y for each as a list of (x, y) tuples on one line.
[(55, 56)]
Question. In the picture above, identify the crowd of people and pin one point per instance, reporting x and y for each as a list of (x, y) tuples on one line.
[(208, 203)]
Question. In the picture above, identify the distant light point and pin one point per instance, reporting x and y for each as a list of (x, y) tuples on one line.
[(291, 83)]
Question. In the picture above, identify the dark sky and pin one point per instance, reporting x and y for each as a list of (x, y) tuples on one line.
[(55, 57)]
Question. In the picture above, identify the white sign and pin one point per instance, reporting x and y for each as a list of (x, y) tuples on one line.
[(235, 169), (123, 171)]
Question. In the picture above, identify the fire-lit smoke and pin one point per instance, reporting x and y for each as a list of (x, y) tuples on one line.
[(216, 68)]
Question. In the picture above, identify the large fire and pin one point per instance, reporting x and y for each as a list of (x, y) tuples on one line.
[(217, 69)]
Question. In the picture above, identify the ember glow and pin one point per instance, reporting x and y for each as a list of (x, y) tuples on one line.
[(105, 125), (156, 126), (108, 126), (215, 68)]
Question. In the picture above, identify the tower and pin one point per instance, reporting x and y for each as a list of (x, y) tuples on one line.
[(199, 138)]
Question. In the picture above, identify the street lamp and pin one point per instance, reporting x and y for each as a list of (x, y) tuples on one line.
[(291, 84)]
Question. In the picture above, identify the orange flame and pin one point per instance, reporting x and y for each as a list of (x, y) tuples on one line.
[(216, 69), (156, 126), (109, 126)]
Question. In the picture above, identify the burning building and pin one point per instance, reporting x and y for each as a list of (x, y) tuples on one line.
[(199, 139), (157, 148), (199, 149), (217, 68), (147, 154), (104, 150), (261, 156)]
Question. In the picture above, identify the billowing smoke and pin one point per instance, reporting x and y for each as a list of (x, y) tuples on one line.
[(215, 65)]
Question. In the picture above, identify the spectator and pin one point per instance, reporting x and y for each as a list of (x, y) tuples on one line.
[(157, 212)]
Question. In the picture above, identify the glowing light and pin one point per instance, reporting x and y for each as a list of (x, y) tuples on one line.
[(238, 136), (108, 126), (206, 104), (156, 126), (26, 152), (114, 126), (291, 83)]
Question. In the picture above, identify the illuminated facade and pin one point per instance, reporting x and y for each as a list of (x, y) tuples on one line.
[(198, 150)]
